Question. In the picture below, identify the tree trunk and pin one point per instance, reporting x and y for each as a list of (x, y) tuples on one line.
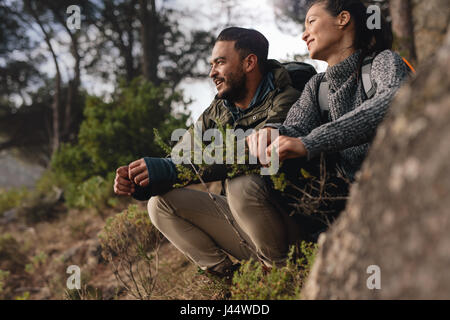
[(395, 226), (56, 106), (149, 36), (431, 21), (402, 28), (397, 218), (73, 89)]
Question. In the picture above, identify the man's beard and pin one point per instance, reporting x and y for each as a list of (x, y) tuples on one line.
[(237, 88)]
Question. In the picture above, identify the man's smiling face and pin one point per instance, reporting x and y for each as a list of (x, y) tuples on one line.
[(227, 71)]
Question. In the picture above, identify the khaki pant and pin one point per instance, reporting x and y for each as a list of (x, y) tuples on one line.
[(190, 220)]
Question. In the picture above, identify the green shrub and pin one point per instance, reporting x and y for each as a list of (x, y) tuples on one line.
[(71, 164), (96, 192), (112, 134), (285, 283), (117, 133), (130, 243), (12, 198)]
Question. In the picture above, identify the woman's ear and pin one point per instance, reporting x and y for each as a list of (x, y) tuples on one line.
[(344, 19)]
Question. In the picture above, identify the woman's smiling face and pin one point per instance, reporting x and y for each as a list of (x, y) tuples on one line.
[(323, 32)]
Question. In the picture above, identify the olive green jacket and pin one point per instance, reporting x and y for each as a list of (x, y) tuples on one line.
[(272, 109)]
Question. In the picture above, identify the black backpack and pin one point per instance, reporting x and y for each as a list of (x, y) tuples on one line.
[(300, 73)]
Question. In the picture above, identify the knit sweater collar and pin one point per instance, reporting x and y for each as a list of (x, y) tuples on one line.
[(340, 73)]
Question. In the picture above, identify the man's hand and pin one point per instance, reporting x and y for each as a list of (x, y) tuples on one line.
[(257, 143), (138, 173), (122, 185), (287, 148)]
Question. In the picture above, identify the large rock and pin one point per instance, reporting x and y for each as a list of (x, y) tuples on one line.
[(15, 173), (398, 215)]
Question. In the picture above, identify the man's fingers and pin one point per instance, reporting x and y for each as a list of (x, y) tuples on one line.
[(136, 171), (122, 171), (136, 163), (122, 190), (144, 182), (140, 177), (122, 187), (122, 193), (123, 181)]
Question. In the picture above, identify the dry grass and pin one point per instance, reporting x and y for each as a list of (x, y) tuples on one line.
[(72, 239)]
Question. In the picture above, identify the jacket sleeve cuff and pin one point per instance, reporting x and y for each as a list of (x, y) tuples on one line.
[(162, 174), (272, 125), (311, 151), (281, 128)]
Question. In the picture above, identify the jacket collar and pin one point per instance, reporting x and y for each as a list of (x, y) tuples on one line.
[(265, 86), (277, 77)]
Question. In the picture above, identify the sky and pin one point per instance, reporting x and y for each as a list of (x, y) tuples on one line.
[(207, 14)]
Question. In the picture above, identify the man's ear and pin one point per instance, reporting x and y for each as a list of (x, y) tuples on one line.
[(344, 19), (250, 63)]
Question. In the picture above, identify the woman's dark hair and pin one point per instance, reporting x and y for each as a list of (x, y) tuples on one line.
[(370, 41), (247, 41)]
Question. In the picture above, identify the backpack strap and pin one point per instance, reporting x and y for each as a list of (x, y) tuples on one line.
[(370, 87), (322, 99), (411, 69)]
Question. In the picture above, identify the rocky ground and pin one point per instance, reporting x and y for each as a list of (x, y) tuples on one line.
[(72, 239)]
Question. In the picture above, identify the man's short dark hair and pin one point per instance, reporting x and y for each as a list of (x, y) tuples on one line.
[(247, 41)]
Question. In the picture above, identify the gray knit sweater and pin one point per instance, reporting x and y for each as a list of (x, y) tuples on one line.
[(354, 118)]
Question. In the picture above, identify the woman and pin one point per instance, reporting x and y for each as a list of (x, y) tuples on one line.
[(336, 32)]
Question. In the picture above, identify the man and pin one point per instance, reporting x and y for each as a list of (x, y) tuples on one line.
[(252, 91)]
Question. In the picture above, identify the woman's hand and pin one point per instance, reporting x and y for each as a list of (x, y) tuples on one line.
[(287, 148), (258, 141)]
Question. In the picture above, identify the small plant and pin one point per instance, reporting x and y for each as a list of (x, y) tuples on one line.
[(87, 292), (252, 282), (189, 173), (95, 193), (12, 255), (37, 262), (130, 243), (3, 278), (24, 296)]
